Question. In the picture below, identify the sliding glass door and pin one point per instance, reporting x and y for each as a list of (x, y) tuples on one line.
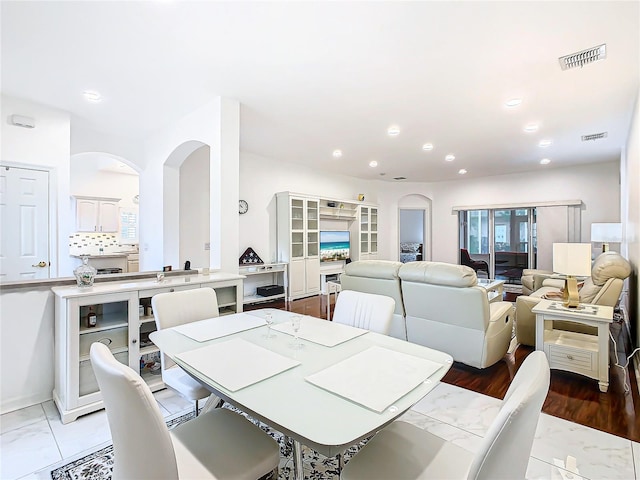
[(504, 238)]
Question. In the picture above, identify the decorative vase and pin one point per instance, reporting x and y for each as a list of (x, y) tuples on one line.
[(85, 273)]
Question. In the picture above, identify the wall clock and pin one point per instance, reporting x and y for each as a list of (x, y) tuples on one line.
[(243, 207)]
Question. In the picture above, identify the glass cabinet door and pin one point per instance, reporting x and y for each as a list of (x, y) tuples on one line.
[(313, 227)]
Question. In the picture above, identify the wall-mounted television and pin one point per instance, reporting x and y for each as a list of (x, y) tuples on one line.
[(334, 245)]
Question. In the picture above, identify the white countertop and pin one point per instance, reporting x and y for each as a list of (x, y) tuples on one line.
[(146, 284)]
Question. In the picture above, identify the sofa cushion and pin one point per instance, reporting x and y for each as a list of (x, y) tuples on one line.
[(385, 269), (438, 273), (609, 265)]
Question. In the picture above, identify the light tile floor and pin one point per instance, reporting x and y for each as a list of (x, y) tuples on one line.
[(34, 441)]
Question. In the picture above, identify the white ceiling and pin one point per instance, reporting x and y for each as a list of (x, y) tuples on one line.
[(317, 76)]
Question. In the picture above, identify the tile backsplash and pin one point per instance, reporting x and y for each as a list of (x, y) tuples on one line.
[(89, 243)]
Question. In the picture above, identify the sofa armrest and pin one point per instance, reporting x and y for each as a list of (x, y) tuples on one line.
[(547, 280), (499, 310), (526, 320)]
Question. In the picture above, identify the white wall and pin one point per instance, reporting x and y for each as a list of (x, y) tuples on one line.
[(261, 178), (411, 226), (47, 147), (26, 347), (630, 199), (216, 124), (597, 185), (194, 208)]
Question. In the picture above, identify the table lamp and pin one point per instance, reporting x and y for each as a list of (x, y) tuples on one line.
[(606, 233), (572, 260)]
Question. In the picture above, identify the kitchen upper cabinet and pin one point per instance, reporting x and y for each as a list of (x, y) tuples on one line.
[(97, 214)]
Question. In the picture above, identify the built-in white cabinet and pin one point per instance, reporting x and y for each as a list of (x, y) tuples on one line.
[(119, 315), (298, 219), (97, 214), (264, 282), (368, 233)]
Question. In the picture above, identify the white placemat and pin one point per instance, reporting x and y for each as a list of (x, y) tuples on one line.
[(376, 377), (236, 363), (320, 331), (219, 326)]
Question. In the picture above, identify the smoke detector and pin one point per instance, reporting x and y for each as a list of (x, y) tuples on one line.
[(580, 59), (594, 136)]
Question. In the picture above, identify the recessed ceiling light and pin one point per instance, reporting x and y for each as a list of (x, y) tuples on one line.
[(337, 153), (373, 164), (427, 147), (545, 143), (531, 127), (513, 102), (92, 96), (450, 158), (393, 131), (462, 171), (545, 161)]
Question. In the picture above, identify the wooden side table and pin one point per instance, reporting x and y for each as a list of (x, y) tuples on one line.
[(571, 351)]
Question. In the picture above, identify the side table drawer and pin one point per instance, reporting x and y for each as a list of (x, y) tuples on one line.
[(572, 359)]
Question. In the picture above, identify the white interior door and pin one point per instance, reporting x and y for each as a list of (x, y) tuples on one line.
[(24, 214)]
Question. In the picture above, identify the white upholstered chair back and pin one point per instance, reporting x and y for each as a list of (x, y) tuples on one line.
[(406, 451), (364, 310), (379, 277), (184, 306), (141, 442), (506, 447)]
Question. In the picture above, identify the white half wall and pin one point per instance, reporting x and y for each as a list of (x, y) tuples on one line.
[(26, 347)]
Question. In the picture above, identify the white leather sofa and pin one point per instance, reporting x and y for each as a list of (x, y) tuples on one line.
[(446, 310), (608, 273), (379, 277)]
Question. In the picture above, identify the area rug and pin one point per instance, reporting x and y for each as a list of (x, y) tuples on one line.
[(99, 464)]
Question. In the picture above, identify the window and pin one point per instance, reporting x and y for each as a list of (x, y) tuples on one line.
[(502, 238), (128, 225)]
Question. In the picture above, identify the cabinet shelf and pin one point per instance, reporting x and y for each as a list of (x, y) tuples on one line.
[(105, 322), (85, 358), (148, 350)]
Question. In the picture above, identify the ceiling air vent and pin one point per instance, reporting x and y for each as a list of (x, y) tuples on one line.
[(399, 178), (580, 59), (594, 136)]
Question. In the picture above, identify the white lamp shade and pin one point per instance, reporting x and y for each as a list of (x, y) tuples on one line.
[(572, 259), (606, 232)]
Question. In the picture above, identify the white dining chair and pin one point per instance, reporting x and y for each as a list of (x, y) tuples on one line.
[(218, 444), (364, 310), (177, 308), (404, 451)]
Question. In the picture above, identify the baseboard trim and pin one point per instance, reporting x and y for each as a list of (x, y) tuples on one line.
[(23, 402)]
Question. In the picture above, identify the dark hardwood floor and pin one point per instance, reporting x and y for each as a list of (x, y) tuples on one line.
[(571, 396)]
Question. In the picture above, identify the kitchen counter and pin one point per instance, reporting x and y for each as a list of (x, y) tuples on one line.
[(108, 255)]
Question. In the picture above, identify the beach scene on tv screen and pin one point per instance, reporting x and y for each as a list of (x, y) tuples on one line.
[(334, 246)]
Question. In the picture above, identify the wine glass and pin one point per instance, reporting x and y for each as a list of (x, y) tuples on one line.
[(268, 317), (296, 320)]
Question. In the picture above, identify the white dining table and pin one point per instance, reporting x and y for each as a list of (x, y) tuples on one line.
[(291, 401)]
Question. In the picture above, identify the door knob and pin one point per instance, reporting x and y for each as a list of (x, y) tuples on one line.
[(40, 264)]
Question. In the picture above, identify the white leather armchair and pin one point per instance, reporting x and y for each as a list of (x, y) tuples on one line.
[(608, 273), (381, 278), (446, 310)]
